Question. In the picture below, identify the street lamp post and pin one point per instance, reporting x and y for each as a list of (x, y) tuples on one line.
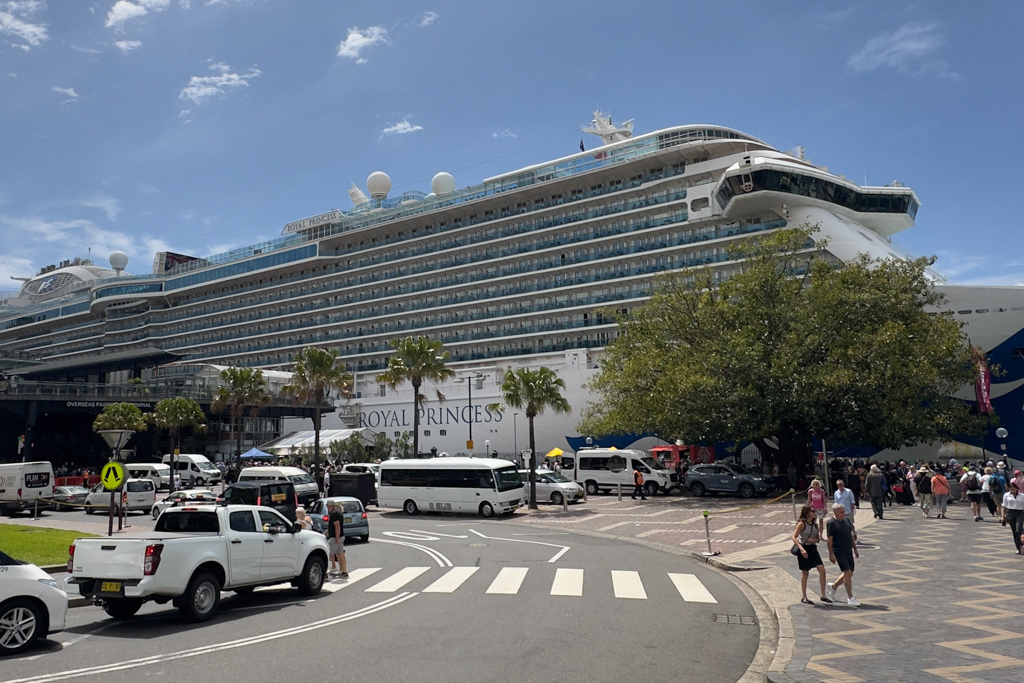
[(469, 379), (487, 448), (1002, 434)]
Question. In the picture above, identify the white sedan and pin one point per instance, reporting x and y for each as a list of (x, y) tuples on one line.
[(205, 495), (32, 605)]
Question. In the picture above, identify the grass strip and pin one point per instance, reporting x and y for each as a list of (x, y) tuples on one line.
[(37, 545)]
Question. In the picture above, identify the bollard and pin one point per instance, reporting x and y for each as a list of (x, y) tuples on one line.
[(584, 493), (620, 492), (35, 513), (707, 534), (565, 503), (792, 496)]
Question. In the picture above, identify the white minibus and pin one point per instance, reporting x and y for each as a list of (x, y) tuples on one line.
[(158, 473), (22, 483), (590, 468), (195, 469), (306, 488), (483, 485)]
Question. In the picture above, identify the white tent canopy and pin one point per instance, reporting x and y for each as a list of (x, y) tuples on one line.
[(289, 443)]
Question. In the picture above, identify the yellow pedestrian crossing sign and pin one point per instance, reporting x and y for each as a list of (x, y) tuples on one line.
[(112, 475)]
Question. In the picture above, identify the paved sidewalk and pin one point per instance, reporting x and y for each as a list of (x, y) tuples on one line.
[(941, 602)]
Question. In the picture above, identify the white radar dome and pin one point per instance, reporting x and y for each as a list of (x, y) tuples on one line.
[(119, 261), (379, 184), (442, 183)]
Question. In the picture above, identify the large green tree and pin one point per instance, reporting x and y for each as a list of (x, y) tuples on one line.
[(415, 361), (176, 415), (316, 374), (794, 346), (243, 392), (533, 391)]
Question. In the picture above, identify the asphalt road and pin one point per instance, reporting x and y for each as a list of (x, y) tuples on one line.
[(448, 599)]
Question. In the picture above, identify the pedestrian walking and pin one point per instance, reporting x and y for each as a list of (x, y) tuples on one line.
[(816, 499), (336, 539), (327, 481), (842, 550), (844, 496), (1018, 477), (940, 489), (875, 485), (997, 486), (806, 537), (1013, 514), (924, 488), (638, 484), (853, 483), (971, 483), (986, 491)]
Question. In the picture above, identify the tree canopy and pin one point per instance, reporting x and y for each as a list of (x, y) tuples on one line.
[(175, 415), (794, 346), (414, 361), (120, 416), (316, 374), (244, 391)]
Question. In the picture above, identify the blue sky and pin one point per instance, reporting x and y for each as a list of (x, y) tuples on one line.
[(203, 125)]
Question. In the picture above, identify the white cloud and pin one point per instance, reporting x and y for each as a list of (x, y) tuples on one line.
[(185, 115), (13, 266), (88, 50), (400, 128), (125, 10), (108, 205), (126, 46), (15, 24), (202, 88), (503, 133), (428, 18), (360, 39), (908, 50), (69, 92)]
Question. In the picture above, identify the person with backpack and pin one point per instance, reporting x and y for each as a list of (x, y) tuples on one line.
[(971, 483), (924, 488), (986, 490)]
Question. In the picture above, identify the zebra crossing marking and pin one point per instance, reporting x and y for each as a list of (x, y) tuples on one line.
[(628, 585), (691, 589), (336, 585), (397, 580), (508, 581), (568, 582), (450, 582)]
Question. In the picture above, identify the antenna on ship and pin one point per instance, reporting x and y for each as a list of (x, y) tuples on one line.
[(603, 128)]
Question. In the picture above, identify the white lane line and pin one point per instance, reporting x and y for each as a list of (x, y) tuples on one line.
[(209, 649), (82, 637), (563, 551), (355, 575), (441, 560), (691, 589), (451, 581), (508, 581), (437, 533), (726, 529), (628, 585), (612, 526), (397, 580), (568, 582)]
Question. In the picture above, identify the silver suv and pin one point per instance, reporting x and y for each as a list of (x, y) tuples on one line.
[(721, 477)]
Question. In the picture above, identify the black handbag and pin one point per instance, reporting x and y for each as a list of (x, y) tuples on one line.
[(795, 550)]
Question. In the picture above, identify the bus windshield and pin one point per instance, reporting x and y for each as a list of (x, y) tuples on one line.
[(508, 478)]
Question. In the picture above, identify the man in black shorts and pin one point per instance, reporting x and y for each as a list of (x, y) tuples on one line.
[(842, 550)]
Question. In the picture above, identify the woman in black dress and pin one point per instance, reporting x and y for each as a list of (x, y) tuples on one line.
[(806, 538), (904, 494)]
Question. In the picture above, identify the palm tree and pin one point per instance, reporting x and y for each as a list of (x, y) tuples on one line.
[(244, 391), (175, 415), (416, 360), (120, 416), (534, 391), (316, 373)]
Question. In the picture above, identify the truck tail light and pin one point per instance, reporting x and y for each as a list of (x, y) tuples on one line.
[(19, 494), (259, 500), (71, 557), (152, 558), (296, 500)]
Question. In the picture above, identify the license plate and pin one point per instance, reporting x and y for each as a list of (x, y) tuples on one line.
[(348, 520), (110, 587)]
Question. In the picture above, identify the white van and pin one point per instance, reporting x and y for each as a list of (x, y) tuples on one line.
[(306, 488), (138, 495), (22, 483), (483, 485), (158, 473), (195, 469), (590, 468)]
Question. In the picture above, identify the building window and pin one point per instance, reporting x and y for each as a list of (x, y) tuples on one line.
[(426, 432), (383, 390), (398, 434), (443, 432)]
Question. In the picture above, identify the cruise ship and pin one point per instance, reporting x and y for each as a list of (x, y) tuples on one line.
[(512, 272)]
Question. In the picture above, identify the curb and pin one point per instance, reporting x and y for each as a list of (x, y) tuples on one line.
[(771, 623)]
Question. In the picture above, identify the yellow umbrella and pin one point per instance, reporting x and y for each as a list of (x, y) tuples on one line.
[(554, 452), (612, 448)]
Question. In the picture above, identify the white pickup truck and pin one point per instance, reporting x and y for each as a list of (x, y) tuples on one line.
[(193, 553)]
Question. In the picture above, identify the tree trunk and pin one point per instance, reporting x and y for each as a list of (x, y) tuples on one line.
[(416, 420), (316, 444), (533, 465)]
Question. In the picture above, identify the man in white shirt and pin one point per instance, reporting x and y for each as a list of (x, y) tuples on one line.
[(971, 483), (844, 497)]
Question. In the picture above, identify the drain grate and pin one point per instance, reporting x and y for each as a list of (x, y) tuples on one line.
[(735, 619)]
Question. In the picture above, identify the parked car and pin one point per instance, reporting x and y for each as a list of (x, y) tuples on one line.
[(138, 495), (158, 472), (359, 468), (23, 483), (194, 469), (279, 495), (194, 553), (356, 523), (32, 605), (183, 497), (69, 496), (722, 477), (551, 486)]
